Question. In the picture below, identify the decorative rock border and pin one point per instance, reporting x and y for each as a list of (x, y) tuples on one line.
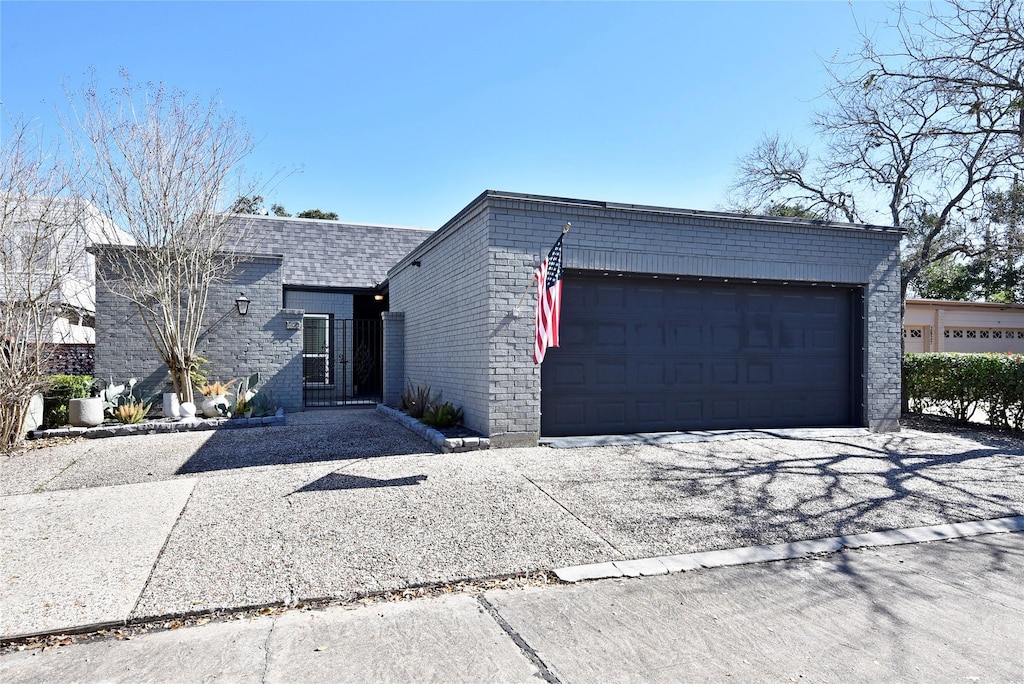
[(162, 426), (447, 445)]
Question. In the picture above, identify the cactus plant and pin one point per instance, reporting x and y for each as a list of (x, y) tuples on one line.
[(114, 395)]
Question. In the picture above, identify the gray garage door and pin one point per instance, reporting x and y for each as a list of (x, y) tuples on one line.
[(650, 355)]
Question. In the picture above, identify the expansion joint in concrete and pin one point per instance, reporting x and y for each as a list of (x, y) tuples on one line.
[(574, 516), (543, 671), (163, 548)]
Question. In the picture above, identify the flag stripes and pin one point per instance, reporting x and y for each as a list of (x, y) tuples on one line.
[(549, 301)]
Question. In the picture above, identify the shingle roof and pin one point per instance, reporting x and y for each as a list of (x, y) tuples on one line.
[(330, 253)]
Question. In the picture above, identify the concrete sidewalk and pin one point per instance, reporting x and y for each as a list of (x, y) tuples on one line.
[(342, 504), (927, 612)]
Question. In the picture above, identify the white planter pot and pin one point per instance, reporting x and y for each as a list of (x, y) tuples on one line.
[(171, 408), (187, 410), (209, 405), (34, 417), (86, 412)]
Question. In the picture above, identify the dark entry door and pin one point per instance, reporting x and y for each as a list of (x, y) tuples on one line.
[(651, 355), (341, 361)]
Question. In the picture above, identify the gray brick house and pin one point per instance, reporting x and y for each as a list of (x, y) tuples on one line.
[(310, 282), (671, 319)]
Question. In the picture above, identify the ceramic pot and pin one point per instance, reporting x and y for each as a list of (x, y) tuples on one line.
[(187, 410), (86, 412), (209, 405), (171, 409)]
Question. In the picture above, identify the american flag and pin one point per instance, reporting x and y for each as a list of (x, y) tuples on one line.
[(549, 301)]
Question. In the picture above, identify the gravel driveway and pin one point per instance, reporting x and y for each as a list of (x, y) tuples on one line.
[(341, 503)]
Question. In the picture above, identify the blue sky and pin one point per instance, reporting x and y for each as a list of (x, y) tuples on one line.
[(401, 113)]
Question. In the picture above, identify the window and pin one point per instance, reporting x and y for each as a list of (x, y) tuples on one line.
[(997, 334), (958, 333), (972, 334), (915, 332), (316, 349), (945, 333)]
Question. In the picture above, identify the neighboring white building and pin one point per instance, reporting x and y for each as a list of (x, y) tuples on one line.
[(74, 302), (935, 325)]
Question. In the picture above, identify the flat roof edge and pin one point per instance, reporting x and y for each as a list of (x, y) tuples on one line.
[(671, 211)]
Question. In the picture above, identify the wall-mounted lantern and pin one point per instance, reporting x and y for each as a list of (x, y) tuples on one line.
[(242, 303), (378, 297)]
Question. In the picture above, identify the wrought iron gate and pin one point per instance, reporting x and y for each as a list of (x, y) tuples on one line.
[(342, 361)]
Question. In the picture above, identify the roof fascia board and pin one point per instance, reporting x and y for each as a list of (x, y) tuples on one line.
[(692, 213)]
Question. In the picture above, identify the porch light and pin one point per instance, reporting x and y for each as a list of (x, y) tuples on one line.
[(378, 297), (242, 303)]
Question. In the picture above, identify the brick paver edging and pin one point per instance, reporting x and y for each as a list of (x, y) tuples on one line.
[(162, 426), (445, 444)]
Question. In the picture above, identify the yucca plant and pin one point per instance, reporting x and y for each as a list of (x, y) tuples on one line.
[(416, 400)]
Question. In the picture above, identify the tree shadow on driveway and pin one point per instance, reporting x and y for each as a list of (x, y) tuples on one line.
[(335, 435), (339, 481), (806, 488)]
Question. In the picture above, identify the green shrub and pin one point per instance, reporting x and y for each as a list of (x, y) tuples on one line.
[(63, 388), (442, 415), (955, 385)]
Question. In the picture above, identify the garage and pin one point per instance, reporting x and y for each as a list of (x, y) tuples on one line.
[(672, 319), (663, 353)]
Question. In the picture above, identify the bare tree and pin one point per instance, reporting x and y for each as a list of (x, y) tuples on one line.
[(158, 162), (899, 138), (42, 250)]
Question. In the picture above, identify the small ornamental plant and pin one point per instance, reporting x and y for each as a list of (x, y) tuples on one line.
[(215, 389)]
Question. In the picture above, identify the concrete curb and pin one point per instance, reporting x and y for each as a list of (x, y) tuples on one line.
[(161, 426), (436, 439), (665, 565)]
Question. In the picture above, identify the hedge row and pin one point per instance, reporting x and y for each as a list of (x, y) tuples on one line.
[(956, 385)]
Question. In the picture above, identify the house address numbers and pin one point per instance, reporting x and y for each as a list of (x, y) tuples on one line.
[(293, 325)]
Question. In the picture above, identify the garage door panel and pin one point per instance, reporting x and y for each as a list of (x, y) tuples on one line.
[(651, 335), (685, 301), (609, 297), (652, 374), (609, 374), (723, 301), (724, 373), (686, 335), (688, 373), (683, 356), (611, 334), (570, 375), (725, 337), (759, 372), (611, 413), (689, 413)]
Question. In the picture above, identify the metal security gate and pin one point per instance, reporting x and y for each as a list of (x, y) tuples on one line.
[(342, 361)]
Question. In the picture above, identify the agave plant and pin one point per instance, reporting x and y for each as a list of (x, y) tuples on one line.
[(132, 412)]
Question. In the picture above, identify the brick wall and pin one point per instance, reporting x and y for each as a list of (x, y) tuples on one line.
[(496, 243), (235, 345), (393, 323), (447, 316)]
